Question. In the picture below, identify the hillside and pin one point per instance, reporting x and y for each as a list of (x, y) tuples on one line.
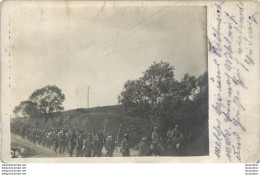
[(106, 119), (109, 119), (93, 119)]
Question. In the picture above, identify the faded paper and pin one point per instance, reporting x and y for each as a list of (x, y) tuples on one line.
[(232, 64)]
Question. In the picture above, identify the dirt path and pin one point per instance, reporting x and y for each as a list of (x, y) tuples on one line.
[(33, 150)]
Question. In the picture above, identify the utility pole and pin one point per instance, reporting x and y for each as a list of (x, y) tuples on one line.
[(88, 97)]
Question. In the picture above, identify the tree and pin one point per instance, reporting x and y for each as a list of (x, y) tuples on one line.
[(146, 96), (134, 99), (157, 80), (26, 109), (49, 99), (200, 99), (158, 95), (165, 101)]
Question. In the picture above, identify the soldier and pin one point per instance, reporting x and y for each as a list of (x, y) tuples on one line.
[(110, 146), (176, 134), (49, 140), (44, 139), (101, 139), (79, 145), (169, 138), (71, 142), (97, 144), (125, 147), (87, 147), (142, 147), (155, 146), (177, 138), (27, 134), (40, 138), (61, 138), (34, 136), (66, 142), (55, 141)]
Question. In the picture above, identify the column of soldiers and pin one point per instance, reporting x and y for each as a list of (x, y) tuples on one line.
[(154, 147), (80, 143), (90, 144)]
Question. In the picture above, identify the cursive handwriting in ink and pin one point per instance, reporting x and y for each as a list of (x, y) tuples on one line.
[(237, 147)]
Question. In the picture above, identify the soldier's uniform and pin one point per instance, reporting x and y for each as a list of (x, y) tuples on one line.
[(40, 138), (155, 146), (34, 136), (44, 139), (61, 140), (100, 143), (110, 146), (66, 143), (79, 146), (142, 147), (175, 135), (97, 146), (125, 147), (71, 140), (55, 142), (49, 140), (87, 147), (169, 138)]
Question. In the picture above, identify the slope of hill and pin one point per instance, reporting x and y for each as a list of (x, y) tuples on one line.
[(94, 119), (113, 120)]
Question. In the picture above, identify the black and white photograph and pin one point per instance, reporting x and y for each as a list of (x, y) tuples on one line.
[(109, 81)]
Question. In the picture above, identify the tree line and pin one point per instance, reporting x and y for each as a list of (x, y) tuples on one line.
[(42, 102)]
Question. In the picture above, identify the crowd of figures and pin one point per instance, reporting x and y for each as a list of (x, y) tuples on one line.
[(90, 144), (67, 140)]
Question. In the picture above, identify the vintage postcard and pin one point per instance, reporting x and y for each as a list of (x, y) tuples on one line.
[(130, 81)]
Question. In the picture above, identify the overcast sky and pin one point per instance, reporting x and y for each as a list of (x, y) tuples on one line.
[(74, 48)]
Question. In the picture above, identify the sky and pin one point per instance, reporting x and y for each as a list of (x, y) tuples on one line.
[(101, 47)]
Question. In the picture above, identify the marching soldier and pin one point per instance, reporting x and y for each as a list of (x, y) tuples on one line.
[(155, 146), (101, 139), (96, 146), (40, 137), (87, 147), (61, 139), (110, 146), (55, 141), (176, 134), (71, 142), (49, 140), (169, 138), (125, 147), (142, 147), (177, 139), (79, 146), (44, 143)]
